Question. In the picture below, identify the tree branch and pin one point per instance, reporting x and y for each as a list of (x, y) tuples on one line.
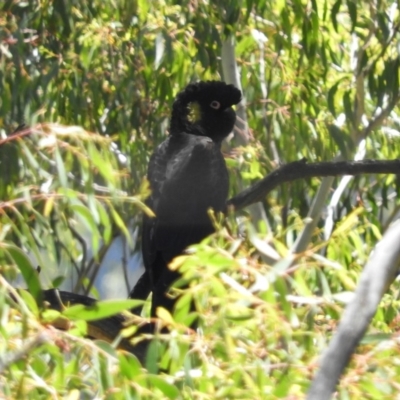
[(377, 275), (301, 170)]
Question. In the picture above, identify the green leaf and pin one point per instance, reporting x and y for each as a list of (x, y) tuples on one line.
[(169, 390), (88, 218), (165, 315), (119, 222), (29, 273), (331, 96), (348, 108), (105, 168), (334, 13), (383, 25), (375, 338), (143, 8), (391, 75), (62, 174), (69, 193), (105, 346), (101, 309), (341, 139), (30, 301), (240, 317), (86, 215), (57, 281), (50, 315), (105, 221), (130, 365), (352, 7)]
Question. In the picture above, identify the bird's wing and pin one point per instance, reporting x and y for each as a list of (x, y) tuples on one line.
[(156, 176), (187, 175), (180, 172)]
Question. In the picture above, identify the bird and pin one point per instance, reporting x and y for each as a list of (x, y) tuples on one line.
[(188, 176)]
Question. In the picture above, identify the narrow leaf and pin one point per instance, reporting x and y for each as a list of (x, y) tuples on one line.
[(101, 309), (28, 272)]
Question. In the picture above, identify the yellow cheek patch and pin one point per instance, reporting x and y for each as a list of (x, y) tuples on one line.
[(194, 112)]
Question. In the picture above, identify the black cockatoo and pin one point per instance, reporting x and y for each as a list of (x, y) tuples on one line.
[(187, 175)]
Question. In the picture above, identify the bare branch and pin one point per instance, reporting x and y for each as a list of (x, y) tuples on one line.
[(377, 275), (301, 170)]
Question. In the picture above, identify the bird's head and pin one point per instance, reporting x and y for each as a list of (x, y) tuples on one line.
[(205, 109)]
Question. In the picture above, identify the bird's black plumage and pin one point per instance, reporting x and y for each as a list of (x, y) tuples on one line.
[(187, 175)]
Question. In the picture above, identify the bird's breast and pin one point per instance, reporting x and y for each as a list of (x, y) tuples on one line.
[(198, 181)]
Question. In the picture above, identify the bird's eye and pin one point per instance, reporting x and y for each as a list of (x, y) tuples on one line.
[(215, 105)]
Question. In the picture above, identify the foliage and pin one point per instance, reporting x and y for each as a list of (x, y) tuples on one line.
[(320, 78)]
